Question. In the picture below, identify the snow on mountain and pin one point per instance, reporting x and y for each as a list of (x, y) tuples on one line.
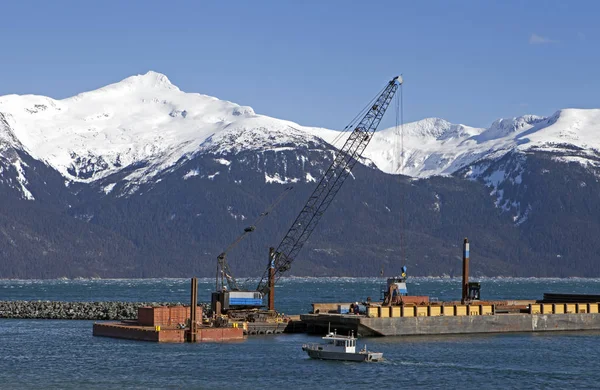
[(10, 160), (430, 148), (259, 132), (147, 123), (141, 121), (435, 147)]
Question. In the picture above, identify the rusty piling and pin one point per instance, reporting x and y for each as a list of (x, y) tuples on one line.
[(193, 331), (465, 273)]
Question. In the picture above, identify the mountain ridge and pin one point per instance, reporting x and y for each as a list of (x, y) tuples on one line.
[(146, 120)]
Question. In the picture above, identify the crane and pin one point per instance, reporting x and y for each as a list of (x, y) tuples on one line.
[(281, 258)]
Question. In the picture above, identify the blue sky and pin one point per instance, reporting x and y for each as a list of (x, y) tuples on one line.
[(316, 62)]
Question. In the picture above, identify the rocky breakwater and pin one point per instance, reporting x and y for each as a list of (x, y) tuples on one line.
[(78, 310)]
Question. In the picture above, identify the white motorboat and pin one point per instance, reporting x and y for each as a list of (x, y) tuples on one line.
[(338, 347)]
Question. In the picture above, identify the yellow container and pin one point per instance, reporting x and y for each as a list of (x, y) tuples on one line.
[(435, 311), (535, 308), (582, 308), (396, 311), (570, 308), (487, 310), (474, 310), (157, 328), (384, 311), (448, 311), (460, 310), (408, 311), (547, 308), (372, 311), (559, 308), (592, 308), (421, 311)]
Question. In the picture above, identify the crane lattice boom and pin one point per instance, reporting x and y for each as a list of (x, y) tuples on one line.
[(330, 184)]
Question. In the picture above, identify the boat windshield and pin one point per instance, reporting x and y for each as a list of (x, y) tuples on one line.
[(344, 343)]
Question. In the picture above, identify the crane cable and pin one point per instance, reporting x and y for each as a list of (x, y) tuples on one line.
[(400, 124), (252, 227), (358, 116), (401, 109)]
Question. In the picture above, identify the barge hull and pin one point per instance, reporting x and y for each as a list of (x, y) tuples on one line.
[(412, 326), (146, 333)]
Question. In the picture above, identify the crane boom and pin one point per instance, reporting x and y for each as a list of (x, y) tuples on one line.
[(329, 185)]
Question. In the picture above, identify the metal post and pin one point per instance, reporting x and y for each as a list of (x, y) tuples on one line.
[(272, 279), (465, 280), (193, 305)]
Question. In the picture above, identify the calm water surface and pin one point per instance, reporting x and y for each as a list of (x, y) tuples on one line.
[(63, 354)]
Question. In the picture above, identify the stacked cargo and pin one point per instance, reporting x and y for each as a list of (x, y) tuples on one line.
[(487, 310), (443, 310), (153, 316), (558, 308), (547, 308), (473, 310), (178, 315), (564, 308), (460, 310), (166, 315), (447, 310), (570, 298)]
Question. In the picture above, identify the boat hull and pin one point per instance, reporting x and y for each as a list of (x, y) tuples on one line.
[(342, 356)]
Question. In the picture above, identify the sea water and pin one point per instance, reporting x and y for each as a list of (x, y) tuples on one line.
[(64, 354)]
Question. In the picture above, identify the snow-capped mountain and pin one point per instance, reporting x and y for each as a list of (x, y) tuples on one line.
[(142, 121), (146, 122), (436, 147), (525, 189)]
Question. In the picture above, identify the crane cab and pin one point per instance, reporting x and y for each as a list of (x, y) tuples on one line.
[(394, 290), (474, 291), (223, 301)]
